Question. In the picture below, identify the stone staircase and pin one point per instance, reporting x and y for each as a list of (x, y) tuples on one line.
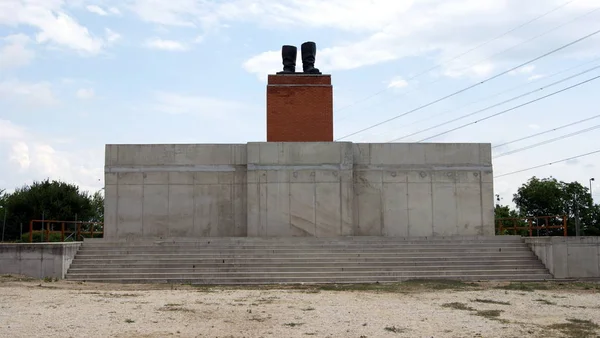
[(306, 260)]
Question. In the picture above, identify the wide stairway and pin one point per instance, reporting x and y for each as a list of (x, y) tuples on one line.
[(306, 260)]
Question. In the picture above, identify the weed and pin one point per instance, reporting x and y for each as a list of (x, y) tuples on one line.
[(544, 301), (458, 306), (175, 307), (394, 329), (293, 324), (576, 328), (309, 309), (129, 321), (489, 301), (489, 313)]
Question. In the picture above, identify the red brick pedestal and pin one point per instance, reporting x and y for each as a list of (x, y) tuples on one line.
[(299, 108)]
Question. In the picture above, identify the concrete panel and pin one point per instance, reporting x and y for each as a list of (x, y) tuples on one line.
[(487, 209), (208, 154), (420, 204), (110, 154), (156, 211), (395, 209), (560, 260), (206, 177), (452, 153), (328, 209), (445, 211), (206, 215), (130, 178), (129, 206), (582, 260), (178, 178), (110, 178), (37, 260), (347, 202), (110, 211), (485, 154), (277, 209), (468, 205), (160, 178), (398, 154), (368, 206), (302, 209), (144, 154)]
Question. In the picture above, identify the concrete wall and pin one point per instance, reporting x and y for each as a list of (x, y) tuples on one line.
[(568, 257), (323, 189), (38, 260)]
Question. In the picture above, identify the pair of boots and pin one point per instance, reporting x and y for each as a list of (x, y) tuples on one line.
[(309, 52)]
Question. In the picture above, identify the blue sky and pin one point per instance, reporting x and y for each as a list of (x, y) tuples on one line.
[(78, 74)]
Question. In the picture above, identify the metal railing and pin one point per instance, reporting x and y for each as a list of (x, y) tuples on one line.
[(66, 228), (532, 223)]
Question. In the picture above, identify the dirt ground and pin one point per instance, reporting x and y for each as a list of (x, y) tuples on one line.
[(34, 308)]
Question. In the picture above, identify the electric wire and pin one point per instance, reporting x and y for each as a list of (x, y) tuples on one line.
[(474, 85), (464, 53), (513, 108), (547, 131), (547, 141), (495, 95), (496, 105), (548, 164)]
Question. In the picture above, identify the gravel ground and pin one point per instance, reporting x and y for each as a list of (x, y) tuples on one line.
[(33, 308)]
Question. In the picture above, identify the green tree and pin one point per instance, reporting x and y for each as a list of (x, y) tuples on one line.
[(49, 200), (550, 197)]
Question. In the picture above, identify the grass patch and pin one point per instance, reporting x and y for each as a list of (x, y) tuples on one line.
[(394, 329), (129, 321), (293, 324), (529, 287), (309, 309), (175, 307), (458, 306), (576, 328), (544, 301), (489, 301), (6, 276), (404, 287), (489, 313)]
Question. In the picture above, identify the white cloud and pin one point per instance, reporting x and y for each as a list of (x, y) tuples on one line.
[(440, 30), (114, 10), (26, 156), (170, 45), (398, 83), (96, 9), (527, 69), (30, 94), (15, 52), (111, 36), (175, 103), (85, 93), (536, 77)]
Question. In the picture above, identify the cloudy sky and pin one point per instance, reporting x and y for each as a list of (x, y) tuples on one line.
[(78, 74)]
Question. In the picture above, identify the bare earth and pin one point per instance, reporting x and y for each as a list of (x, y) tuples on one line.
[(34, 308)]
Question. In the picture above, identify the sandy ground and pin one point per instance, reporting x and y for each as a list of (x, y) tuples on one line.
[(33, 308)]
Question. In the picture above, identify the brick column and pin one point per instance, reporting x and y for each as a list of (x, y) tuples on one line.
[(299, 108)]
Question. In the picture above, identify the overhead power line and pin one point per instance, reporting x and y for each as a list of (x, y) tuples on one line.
[(547, 131), (497, 94), (513, 108), (464, 53), (548, 164), (548, 141), (475, 85), (496, 105)]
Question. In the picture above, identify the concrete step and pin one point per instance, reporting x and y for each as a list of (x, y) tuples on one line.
[(294, 249), (304, 254), (283, 274), (308, 264), (317, 280), (332, 268)]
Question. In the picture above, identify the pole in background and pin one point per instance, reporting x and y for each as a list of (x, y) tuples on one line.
[(591, 193), (4, 222)]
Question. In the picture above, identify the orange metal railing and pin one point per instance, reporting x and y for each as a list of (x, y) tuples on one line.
[(532, 223), (65, 228)]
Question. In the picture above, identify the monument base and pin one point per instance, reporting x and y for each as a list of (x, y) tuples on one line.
[(314, 189)]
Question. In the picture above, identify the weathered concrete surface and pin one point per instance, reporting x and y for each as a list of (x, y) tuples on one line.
[(280, 189), (38, 260), (568, 257)]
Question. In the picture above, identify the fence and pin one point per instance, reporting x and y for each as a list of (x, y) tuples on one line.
[(532, 223), (69, 228)]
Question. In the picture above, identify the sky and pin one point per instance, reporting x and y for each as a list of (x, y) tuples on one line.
[(78, 74)]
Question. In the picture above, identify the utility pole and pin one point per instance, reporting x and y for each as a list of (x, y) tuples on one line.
[(577, 229), (591, 193)]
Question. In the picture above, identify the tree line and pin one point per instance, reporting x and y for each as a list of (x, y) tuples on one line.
[(56, 200), (47, 200), (550, 197)]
